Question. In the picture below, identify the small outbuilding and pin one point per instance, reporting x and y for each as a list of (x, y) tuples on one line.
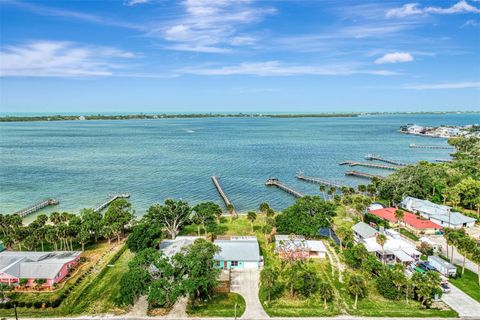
[(442, 266)]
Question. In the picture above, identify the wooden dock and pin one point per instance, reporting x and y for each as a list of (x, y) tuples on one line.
[(370, 165), (110, 199), (223, 194), (37, 206), (363, 175), (372, 156), (443, 160), (319, 181), (275, 182), (424, 146)]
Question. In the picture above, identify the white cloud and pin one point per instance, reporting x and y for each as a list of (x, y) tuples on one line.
[(135, 2), (412, 9), (277, 68), (212, 25), (395, 57), (451, 85), (59, 59), (471, 23)]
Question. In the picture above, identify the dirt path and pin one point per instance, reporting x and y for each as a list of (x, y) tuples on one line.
[(332, 255), (140, 308)]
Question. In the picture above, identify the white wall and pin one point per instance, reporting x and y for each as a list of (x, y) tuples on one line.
[(250, 265)]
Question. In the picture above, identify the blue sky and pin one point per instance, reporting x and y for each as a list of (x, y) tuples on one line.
[(239, 56)]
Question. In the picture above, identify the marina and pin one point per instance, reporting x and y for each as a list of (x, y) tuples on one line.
[(275, 182), (223, 195), (36, 207), (363, 175), (110, 199), (369, 165)]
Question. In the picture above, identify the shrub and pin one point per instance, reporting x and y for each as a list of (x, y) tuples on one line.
[(2, 305), (8, 305), (28, 304), (48, 304), (37, 304), (21, 304), (56, 303)]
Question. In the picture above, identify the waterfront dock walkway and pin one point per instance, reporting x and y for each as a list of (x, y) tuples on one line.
[(319, 181), (363, 175), (372, 156), (227, 201), (370, 165), (37, 206), (110, 199), (424, 146), (275, 182)]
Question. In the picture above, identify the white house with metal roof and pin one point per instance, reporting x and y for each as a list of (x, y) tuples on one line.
[(31, 265), (440, 214), (238, 252), (362, 231)]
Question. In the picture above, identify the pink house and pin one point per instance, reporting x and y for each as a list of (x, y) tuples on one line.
[(49, 266)]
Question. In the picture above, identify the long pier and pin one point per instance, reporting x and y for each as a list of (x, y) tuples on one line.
[(318, 181), (37, 206), (275, 182), (370, 165), (223, 194), (363, 175), (372, 156), (110, 199), (443, 160), (424, 146)]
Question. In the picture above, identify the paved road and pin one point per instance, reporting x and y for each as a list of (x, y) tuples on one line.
[(457, 258), (246, 283), (462, 303)]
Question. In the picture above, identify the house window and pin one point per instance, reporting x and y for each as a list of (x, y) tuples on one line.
[(234, 263)]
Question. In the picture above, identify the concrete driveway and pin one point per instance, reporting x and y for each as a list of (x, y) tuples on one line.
[(462, 303), (246, 283)]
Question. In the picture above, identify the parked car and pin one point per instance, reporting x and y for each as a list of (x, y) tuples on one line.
[(425, 266), (445, 287)]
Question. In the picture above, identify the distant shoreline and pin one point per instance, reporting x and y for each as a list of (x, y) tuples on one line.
[(145, 116)]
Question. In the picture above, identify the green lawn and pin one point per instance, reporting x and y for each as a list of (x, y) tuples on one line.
[(468, 283), (221, 305), (408, 234), (99, 298)]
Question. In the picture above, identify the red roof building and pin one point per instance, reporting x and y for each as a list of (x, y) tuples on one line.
[(411, 221)]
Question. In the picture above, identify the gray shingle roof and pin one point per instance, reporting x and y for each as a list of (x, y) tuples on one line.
[(38, 265), (238, 250)]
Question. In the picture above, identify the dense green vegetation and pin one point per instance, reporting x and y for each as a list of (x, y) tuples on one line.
[(168, 116)]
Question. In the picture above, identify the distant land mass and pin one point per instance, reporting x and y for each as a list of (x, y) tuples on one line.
[(126, 116)]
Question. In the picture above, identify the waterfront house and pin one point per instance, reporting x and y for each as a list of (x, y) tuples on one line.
[(238, 252), (170, 247), (52, 267), (288, 245), (412, 222), (362, 231), (394, 250), (439, 214)]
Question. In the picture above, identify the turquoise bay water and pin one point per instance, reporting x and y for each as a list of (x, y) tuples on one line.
[(81, 162)]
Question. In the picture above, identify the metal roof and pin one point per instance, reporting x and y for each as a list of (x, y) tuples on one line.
[(364, 230), (238, 249), (32, 264)]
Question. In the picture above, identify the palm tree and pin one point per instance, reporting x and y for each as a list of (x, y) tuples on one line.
[(362, 188), (399, 214), (357, 287), (343, 234), (231, 209), (325, 290), (322, 190), (381, 240), (251, 216)]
